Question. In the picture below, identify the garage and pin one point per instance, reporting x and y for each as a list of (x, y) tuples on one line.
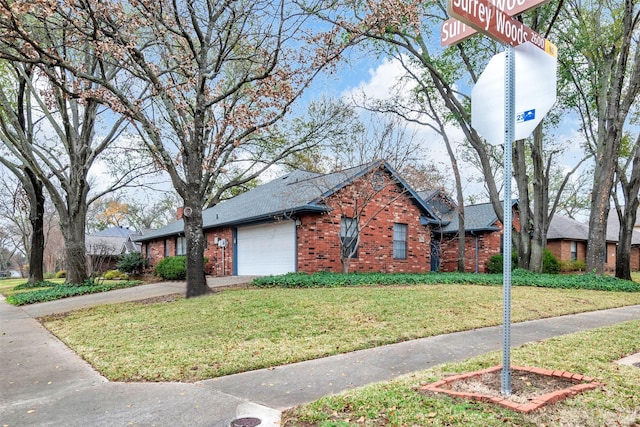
[(266, 249)]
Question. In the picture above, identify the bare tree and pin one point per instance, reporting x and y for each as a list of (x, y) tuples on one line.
[(417, 102), (400, 29), (356, 197), (25, 211), (603, 65), (51, 133), (205, 82)]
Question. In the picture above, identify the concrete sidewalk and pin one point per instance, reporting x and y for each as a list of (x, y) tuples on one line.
[(43, 383)]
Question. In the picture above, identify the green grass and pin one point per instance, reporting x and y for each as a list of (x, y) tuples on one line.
[(239, 330), (591, 353), (7, 285)]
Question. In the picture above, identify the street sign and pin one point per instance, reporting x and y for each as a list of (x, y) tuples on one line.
[(535, 93), (453, 31), (533, 49), (497, 24)]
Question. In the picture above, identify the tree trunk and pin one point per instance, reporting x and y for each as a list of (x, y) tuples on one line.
[(460, 200), (597, 240), (522, 238), (627, 216), (36, 218), (623, 250), (72, 227), (540, 212), (196, 280)]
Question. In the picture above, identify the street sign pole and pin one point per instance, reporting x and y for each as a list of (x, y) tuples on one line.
[(493, 19), (509, 131)]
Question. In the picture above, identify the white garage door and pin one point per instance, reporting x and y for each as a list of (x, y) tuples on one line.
[(267, 249)]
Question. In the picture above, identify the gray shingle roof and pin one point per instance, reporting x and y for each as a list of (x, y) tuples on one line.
[(295, 192), (613, 229), (115, 232), (562, 227), (480, 217)]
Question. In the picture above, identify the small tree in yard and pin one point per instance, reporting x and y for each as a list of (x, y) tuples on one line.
[(358, 203)]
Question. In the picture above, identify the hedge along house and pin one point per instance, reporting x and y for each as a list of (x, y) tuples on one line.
[(483, 233), (367, 216)]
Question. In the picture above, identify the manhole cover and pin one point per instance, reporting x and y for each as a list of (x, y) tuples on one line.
[(246, 422)]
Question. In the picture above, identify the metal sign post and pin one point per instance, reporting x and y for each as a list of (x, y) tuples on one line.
[(509, 130), (493, 18)]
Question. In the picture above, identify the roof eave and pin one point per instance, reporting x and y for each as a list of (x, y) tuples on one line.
[(309, 208)]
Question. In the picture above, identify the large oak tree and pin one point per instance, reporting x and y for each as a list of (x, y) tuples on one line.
[(205, 82)]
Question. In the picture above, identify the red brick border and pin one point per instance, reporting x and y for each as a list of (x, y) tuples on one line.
[(583, 384)]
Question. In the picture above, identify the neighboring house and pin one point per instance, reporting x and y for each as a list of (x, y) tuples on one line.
[(104, 248), (567, 241), (483, 232), (298, 221), (613, 230)]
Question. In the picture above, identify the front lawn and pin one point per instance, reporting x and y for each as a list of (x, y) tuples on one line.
[(244, 329), (590, 353)]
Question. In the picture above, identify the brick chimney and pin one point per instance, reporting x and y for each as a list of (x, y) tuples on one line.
[(179, 213)]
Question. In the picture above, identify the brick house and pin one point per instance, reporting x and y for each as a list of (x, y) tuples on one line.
[(483, 233), (303, 220), (567, 241)]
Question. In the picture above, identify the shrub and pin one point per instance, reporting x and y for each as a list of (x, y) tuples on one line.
[(550, 264), (61, 274), (172, 268), (565, 266), (579, 265), (132, 263), (495, 264), (115, 274)]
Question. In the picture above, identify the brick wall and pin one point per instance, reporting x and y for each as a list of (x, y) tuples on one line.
[(156, 250), (635, 258), (319, 235), (219, 260), (488, 244)]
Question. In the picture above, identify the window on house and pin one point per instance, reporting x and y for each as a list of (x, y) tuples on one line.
[(167, 250), (574, 251), (181, 245), (147, 250), (400, 241), (349, 236)]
